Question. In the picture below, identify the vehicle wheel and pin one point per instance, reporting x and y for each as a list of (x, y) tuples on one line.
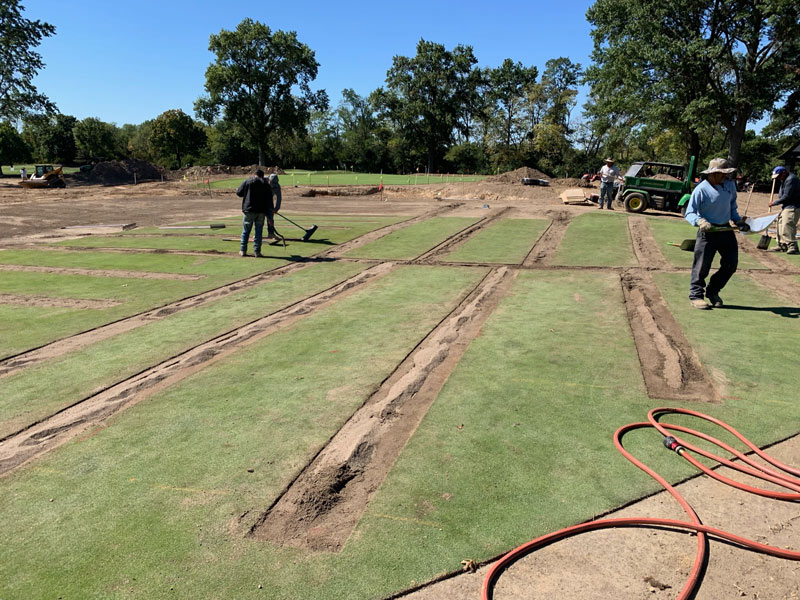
[(60, 183), (635, 203)]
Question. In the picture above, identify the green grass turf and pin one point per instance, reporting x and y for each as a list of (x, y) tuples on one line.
[(24, 327), (234, 225), (339, 178), (147, 507), (666, 231), (599, 240), (506, 241), (790, 259), (36, 392), (167, 240), (413, 240)]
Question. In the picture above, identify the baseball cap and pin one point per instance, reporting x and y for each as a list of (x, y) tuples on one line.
[(776, 172)]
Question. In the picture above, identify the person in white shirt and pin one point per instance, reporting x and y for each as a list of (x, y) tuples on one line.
[(609, 174)]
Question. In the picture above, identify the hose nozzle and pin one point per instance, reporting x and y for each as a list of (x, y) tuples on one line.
[(672, 444)]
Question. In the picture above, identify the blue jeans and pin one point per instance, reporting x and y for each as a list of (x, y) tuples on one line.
[(250, 219), (705, 247), (606, 191)]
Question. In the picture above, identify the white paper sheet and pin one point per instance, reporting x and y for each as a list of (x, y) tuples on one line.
[(759, 224)]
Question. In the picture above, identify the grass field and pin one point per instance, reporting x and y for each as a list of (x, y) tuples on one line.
[(157, 500), (325, 178)]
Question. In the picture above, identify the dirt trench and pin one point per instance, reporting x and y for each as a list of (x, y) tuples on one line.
[(319, 510), (670, 366), (46, 301), (461, 237), (49, 433), (101, 272), (547, 244), (644, 245)]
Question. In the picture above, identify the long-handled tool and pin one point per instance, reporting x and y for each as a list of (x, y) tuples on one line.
[(309, 232), (764, 240), (688, 245)]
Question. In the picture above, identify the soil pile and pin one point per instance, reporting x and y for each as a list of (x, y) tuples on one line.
[(118, 172), (516, 176)]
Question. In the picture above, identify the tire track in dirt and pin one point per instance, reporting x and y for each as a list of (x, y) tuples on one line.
[(547, 244), (63, 346), (46, 301), (19, 448), (101, 272), (462, 236), (320, 508), (670, 366), (645, 247)]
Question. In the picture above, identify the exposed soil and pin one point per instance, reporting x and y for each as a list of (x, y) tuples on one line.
[(671, 368), (517, 175), (644, 245), (101, 272), (25, 300), (549, 241)]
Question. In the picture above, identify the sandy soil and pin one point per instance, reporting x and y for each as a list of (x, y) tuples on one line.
[(337, 486)]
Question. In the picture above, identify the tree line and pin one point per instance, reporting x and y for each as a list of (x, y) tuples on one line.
[(667, 81)]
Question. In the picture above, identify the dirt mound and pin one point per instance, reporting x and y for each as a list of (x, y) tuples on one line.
[(213, 170), (118, 172), (340, 191), (516, 176), (570, 182)]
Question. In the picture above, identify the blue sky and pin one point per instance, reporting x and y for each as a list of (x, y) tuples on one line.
[(126, 62)]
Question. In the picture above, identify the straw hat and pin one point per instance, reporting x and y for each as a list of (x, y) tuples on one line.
[(611, 160), (718, 165)]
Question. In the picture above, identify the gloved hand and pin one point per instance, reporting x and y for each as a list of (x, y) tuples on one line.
[(743, 226), (703, 224)]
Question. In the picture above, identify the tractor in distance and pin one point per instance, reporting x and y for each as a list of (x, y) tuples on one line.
[(657, 185)]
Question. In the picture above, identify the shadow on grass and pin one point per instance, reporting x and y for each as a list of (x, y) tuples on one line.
[(790, 312)]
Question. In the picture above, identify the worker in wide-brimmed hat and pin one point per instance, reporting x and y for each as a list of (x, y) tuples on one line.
[(713, 206), (609, 174), (789, 201)]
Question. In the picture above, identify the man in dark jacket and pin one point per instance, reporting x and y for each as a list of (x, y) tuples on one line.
[(275, 188), (789, 201), (256, 198)]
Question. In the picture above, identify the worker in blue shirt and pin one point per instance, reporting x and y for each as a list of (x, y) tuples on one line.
[(713, 205)]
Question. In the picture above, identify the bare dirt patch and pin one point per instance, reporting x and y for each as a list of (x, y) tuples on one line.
[(462, 236), (101, 272), (320, 508), (644, 245), (670, 367), (550, 240), (45, 301)]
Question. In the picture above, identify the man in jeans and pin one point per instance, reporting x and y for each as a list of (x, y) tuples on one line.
[(609, 174), (789, 201), (256, 196), (713, 206)]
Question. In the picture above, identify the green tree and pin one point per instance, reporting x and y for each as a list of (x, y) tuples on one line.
[(19, 63), (692, 64), (174, 133), (427, 94), (252, 80), (95, 139), (51, 137), (13, 148), (509, 86)]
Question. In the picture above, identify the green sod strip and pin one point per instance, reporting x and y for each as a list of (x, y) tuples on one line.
[(667, 231), (148, 506), (132, 261), (506, 241), (599, 240), (409, 242), (23, 328), (321, 240), (519, 442), (339, 178), (234, 226), (36, 392), (791, 259), (743, 347)]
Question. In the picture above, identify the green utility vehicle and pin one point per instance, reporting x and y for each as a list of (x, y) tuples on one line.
[(656, 185)]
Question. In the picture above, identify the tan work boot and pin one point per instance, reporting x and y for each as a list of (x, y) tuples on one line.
[(700, 303)]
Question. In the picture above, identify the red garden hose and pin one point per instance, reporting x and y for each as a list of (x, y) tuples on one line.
[(750, 467)]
